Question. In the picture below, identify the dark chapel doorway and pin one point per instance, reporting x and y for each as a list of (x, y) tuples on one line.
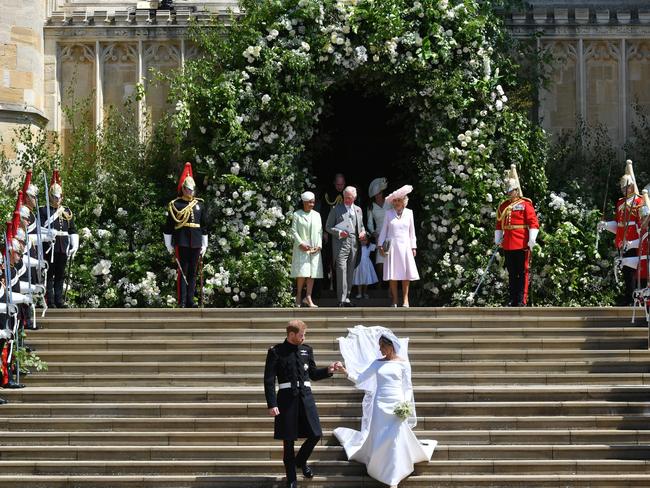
[(360, 136)]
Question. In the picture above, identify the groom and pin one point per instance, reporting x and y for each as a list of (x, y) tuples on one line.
[(294, 408)]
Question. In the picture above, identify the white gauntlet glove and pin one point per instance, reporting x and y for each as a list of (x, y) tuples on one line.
[(74, 244), (498, 237), (168, 243), (204, 244)]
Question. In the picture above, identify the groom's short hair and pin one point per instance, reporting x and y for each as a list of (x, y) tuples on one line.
[(296, 326)]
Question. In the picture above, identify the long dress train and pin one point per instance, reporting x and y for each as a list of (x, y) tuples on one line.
[(385, 444)]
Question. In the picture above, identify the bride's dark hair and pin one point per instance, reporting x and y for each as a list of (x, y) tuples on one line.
[(385, 340)]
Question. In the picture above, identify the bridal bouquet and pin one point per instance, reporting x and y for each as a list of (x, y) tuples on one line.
[(403, 410)]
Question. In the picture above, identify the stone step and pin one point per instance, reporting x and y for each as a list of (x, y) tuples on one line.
[(182, 378), (274, 452), (271, 336), (321, 346), (594, 365), (343, 481), (322, 468), (338, 323), (254, 424), (135, 409), (469, 354), (245, 394), (305, 313), (559, 437)]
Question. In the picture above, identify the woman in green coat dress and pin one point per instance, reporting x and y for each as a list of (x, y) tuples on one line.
[(306, 262)]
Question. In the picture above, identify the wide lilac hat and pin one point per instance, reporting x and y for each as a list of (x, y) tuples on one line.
[(399, 193)]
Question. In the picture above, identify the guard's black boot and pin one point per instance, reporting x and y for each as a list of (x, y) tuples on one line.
[(12, 385)]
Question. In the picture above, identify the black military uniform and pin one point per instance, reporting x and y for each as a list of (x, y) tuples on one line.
[(186, 224), (294, 367), (62, 221)]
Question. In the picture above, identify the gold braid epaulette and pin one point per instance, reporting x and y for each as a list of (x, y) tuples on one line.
[(183, 216), (66, 213), (337, 200), (504, 215)]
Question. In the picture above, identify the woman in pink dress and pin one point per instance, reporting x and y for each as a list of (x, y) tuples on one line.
[(397, 243)]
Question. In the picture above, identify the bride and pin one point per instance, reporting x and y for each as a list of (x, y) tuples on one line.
[(377, 361)]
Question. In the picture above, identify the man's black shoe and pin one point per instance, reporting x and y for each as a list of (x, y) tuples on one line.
[(342, 304), (307, 472), (12, 385), (292, 484), (2, 401), (61, 305), (349, 304)]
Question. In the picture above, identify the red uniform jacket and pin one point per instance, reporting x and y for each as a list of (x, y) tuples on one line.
[(628, 220), (514, 218)]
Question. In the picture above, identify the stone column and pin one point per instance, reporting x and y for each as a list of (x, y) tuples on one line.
[(21, 67)]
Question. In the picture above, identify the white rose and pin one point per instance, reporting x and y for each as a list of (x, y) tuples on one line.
[(266, 99)]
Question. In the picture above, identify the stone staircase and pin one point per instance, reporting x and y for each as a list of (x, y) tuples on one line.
[(171, 398)]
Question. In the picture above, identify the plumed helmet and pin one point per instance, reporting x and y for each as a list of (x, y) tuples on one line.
[(32, 191), (189, 183), (628, 178), (25, 212), (56, 186), (187, 179), (511, 180), (20, 235)]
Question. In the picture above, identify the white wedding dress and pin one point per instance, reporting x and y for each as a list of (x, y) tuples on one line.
[(385, 444)]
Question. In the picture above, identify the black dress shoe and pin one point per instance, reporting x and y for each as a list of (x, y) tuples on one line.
[(349, 304), (342, 304), (292, 484), (2, 401), (12, 385), (307, 472)]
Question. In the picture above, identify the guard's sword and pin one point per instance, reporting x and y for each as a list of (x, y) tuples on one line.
[(49, 217), (180, 270), (494, 253)]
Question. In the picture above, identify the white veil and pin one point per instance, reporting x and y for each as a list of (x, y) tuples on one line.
[(359, 349)]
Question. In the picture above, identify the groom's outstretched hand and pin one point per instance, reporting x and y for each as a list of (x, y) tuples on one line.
[(337, 367), (274, 412)]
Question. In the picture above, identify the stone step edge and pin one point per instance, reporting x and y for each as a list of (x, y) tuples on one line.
[(129, 390), (269, 433), (237, 406), (318, 448)]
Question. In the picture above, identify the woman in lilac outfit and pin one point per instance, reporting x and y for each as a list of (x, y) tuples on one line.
[(397, 243)]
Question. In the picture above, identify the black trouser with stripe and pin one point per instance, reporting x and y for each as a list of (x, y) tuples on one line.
[(291, 461), (188, 257)]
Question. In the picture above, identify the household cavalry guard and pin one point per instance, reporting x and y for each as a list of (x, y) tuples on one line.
[(516, 232), (630, 211), (58, 220), (186, 236)]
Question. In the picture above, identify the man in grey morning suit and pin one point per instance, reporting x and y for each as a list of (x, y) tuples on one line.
[(345, 224)]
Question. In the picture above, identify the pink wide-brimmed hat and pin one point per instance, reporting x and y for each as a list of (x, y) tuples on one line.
[(399, 193)]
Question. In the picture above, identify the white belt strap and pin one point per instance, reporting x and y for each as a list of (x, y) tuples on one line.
[(284, 386)]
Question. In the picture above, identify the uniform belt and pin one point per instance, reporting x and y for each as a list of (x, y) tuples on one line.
[(628, 224), (513, 227), (189, 224), (284, 386)]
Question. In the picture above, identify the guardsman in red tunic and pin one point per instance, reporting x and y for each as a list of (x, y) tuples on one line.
[(516, 231), (627, 227)]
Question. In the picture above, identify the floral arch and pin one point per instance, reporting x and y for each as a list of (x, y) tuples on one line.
[(250, 105)]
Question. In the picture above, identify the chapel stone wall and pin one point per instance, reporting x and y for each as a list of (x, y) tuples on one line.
[(21, 67)]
